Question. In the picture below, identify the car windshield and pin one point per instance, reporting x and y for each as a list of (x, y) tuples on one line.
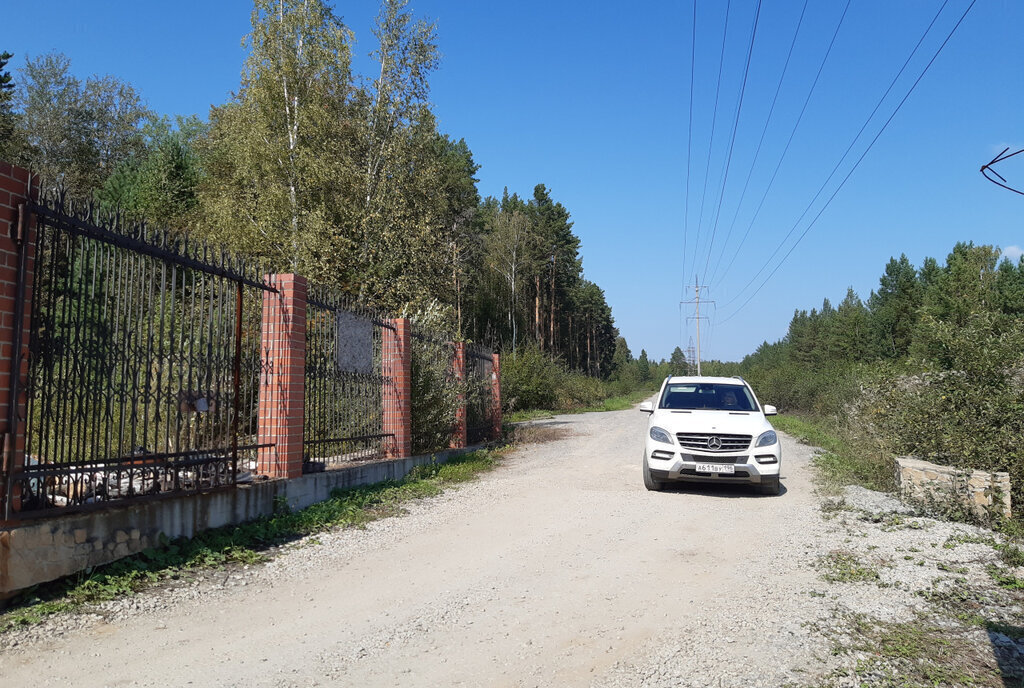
[(685, 396)]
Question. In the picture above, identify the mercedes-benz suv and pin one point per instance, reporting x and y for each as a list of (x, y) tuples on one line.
[(710, 429)]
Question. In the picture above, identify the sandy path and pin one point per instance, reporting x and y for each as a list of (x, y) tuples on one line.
[(556, 569)]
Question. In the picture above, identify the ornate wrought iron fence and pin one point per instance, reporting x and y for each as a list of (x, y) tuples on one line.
[(479, 401), (144, 364), (344, 406)]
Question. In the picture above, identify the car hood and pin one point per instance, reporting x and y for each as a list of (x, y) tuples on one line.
[(725, 422)]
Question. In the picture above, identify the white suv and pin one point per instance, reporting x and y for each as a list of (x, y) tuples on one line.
[(710, 429)]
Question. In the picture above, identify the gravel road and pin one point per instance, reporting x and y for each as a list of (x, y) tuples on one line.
[(556, 569)]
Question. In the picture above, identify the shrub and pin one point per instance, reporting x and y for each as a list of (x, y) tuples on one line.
[(529, 379)]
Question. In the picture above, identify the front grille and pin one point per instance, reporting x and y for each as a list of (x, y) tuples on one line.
[(699, 440), (741, 459)]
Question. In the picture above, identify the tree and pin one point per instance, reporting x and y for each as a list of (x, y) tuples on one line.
[(75, 134), (677, 362), (643, 366), (894, 308), (508, 244), (7, 117), (277, 154)]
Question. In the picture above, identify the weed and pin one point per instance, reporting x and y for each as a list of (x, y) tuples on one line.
[(845, 567), (1005, 578)]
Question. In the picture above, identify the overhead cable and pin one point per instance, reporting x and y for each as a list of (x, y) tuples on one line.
[(757, 152), (732, 140), (839, 163), (859, 160)]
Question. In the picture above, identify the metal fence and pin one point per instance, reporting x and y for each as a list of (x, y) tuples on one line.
[(479, 390), (144, 364), (345, 380)]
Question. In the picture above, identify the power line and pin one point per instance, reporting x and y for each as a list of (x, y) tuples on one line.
[(859, 160), (711, 141), (760, 143), (838, 164), (689, 141), (732, 140), (792, 134)]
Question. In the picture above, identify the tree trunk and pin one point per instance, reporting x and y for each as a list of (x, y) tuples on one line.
[(551, 320), (537, 332)]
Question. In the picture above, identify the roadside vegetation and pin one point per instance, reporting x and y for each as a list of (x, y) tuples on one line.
[(536, 386), (348, 180), (242, 545), (930, 366)]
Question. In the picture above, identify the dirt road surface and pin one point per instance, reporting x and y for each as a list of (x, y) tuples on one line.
[(556, 569)]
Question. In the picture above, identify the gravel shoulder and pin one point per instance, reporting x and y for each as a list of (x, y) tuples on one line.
[(556, 569)]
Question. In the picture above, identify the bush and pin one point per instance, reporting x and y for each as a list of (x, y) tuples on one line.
[(579, 391), (529, 379)]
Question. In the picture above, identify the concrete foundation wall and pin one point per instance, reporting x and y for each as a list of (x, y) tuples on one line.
[(35, 552), (981, 492)]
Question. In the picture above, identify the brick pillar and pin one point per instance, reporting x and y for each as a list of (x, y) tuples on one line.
[(17, 230), (397, 364), (283, 380), (459, 433), (496, 396)]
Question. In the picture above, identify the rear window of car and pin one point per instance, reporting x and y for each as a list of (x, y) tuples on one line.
[(692, 396)]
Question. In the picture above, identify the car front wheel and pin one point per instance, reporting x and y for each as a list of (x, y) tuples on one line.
[(649, 482), (770, 485)]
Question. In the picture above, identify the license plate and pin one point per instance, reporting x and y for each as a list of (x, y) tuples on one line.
[(716, 468)]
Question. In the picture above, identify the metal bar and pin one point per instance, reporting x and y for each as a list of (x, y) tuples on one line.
[(87, 229), (334, 309), (237, 383), (356, 438)]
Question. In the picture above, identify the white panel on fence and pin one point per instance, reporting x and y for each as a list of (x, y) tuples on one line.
[(354, 350)]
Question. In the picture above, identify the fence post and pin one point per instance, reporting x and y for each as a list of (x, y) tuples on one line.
[(397, 366), (459, 434), (17, 261), (496, 396), (283, 377)]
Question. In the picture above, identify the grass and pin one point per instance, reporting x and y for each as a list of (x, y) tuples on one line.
[(844, 460), (244, 544), (845, 567)]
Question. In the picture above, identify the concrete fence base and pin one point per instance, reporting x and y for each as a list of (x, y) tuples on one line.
[(982, 493), (33, 552)]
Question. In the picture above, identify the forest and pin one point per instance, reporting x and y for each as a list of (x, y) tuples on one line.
[(931, 366), (341, 177)]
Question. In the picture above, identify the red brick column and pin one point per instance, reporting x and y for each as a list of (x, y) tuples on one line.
[(283, 380), (459, 433), (397, 366), (496, 396), (17, 229)]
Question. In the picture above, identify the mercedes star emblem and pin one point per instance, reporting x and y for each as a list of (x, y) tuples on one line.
[(714, 442)]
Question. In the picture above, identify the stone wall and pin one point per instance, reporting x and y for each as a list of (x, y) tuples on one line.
[(983, 493)]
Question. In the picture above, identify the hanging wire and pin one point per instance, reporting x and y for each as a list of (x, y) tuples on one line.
[(859, 160)]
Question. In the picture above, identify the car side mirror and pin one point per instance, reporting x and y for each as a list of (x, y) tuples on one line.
[(770, 410), (647, 407)]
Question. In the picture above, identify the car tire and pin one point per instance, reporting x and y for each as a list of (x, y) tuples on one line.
[(770, 485), (649, 482)]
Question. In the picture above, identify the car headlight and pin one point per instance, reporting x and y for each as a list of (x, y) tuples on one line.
[(660, 435), (766, 439)]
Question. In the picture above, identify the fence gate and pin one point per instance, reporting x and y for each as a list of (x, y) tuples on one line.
[(144, 365)]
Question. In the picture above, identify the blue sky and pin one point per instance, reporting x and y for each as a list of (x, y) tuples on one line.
[(592, 99)]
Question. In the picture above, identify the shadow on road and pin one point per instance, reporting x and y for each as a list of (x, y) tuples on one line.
[(737, 491)]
